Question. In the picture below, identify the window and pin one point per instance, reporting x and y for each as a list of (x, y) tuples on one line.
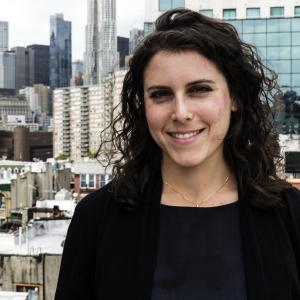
[(169, 4), (297, 11), (83, 181), (92, 181), (253, 12), (87, 181), (148, 28), (102, 180), (207, 12), (229, 14), (277, 11)]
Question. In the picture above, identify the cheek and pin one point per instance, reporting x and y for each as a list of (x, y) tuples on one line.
[(155, 118), (217, 116)]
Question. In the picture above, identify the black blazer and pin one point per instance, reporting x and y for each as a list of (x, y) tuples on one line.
[(110, 254)]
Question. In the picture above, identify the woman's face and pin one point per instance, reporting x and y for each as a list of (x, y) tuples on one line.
[(188, 107)]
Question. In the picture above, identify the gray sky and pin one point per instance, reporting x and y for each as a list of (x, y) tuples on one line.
[(29, 20)]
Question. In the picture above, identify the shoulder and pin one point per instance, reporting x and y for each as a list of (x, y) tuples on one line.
[(290, 206), (91, 209), (291, 198)]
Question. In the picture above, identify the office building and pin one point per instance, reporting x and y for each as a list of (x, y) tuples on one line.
[(7, 70), (60, 61), (135, 37), (123, 50), (16, 106), (38, 64), (101, 56), (21, 67), (3, 36)]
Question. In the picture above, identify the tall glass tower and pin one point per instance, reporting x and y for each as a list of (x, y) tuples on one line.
[(101, 56), (60, 52)]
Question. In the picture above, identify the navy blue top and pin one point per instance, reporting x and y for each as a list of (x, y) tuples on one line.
[(199, 255)]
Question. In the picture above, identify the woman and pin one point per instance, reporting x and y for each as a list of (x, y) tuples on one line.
[(195, 209)]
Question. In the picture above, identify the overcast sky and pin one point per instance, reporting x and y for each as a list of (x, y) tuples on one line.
[(29, 20)]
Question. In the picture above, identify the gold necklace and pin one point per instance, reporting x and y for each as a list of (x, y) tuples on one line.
[(196, 203)]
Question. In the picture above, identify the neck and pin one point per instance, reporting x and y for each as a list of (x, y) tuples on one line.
[(199, 181)]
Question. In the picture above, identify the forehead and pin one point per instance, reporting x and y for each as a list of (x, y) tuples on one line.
[(167, 67)]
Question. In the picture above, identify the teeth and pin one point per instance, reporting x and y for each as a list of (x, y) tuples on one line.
[(185, 135)]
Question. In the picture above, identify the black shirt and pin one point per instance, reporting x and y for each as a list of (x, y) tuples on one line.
[(199, 254)]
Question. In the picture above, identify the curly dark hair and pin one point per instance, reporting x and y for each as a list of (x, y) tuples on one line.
[(251, 147)]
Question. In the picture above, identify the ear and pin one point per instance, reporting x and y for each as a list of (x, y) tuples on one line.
[(233, 105)]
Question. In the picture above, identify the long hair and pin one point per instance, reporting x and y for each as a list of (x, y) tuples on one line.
[(251, 147)]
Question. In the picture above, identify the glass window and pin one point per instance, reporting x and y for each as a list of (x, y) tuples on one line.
[(83, 180), (296, 80), (278, 39), (262, 52), (229, 13), (91, 180), (279, 25), (254, 26), (296, 38), (297, 11), (165, 5), (295, 52), (168, 4), (253, 12), (238, 24), (296, 66), (260, 39), (148, 28), (280, 66), (296, 24), (277, 11), (207, 12), (178, 3), (284, 79), (279, 52), (102, 180)]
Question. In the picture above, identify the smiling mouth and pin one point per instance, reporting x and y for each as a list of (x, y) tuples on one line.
[(186, 135)]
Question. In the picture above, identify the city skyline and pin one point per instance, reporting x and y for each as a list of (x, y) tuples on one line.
[(37, 18)]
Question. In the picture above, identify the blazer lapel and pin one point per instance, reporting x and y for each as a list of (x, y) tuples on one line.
[(149, 236)]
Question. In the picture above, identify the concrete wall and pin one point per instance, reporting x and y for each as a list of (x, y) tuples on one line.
[(39, 270)]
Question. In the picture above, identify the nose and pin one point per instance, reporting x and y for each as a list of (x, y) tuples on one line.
[(181, 111)]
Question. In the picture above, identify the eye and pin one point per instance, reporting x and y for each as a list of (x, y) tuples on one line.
[(199, 89), (160, 95)]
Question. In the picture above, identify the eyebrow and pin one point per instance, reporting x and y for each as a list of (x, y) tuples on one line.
[(158, 87)]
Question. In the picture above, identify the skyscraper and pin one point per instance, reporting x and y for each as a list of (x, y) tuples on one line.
[(135, 37), (3, 36), (123, 49), (60, 63), (7, 70), (21, 65), (101, 55), (38, 64)]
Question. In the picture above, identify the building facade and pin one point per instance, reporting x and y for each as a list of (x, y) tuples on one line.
[(135, 37), (60, 59), (101, 56), (38, 64), (123, 50), (7, 70), (79, 115), (3, 36), (14, 105), (21, 67)]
